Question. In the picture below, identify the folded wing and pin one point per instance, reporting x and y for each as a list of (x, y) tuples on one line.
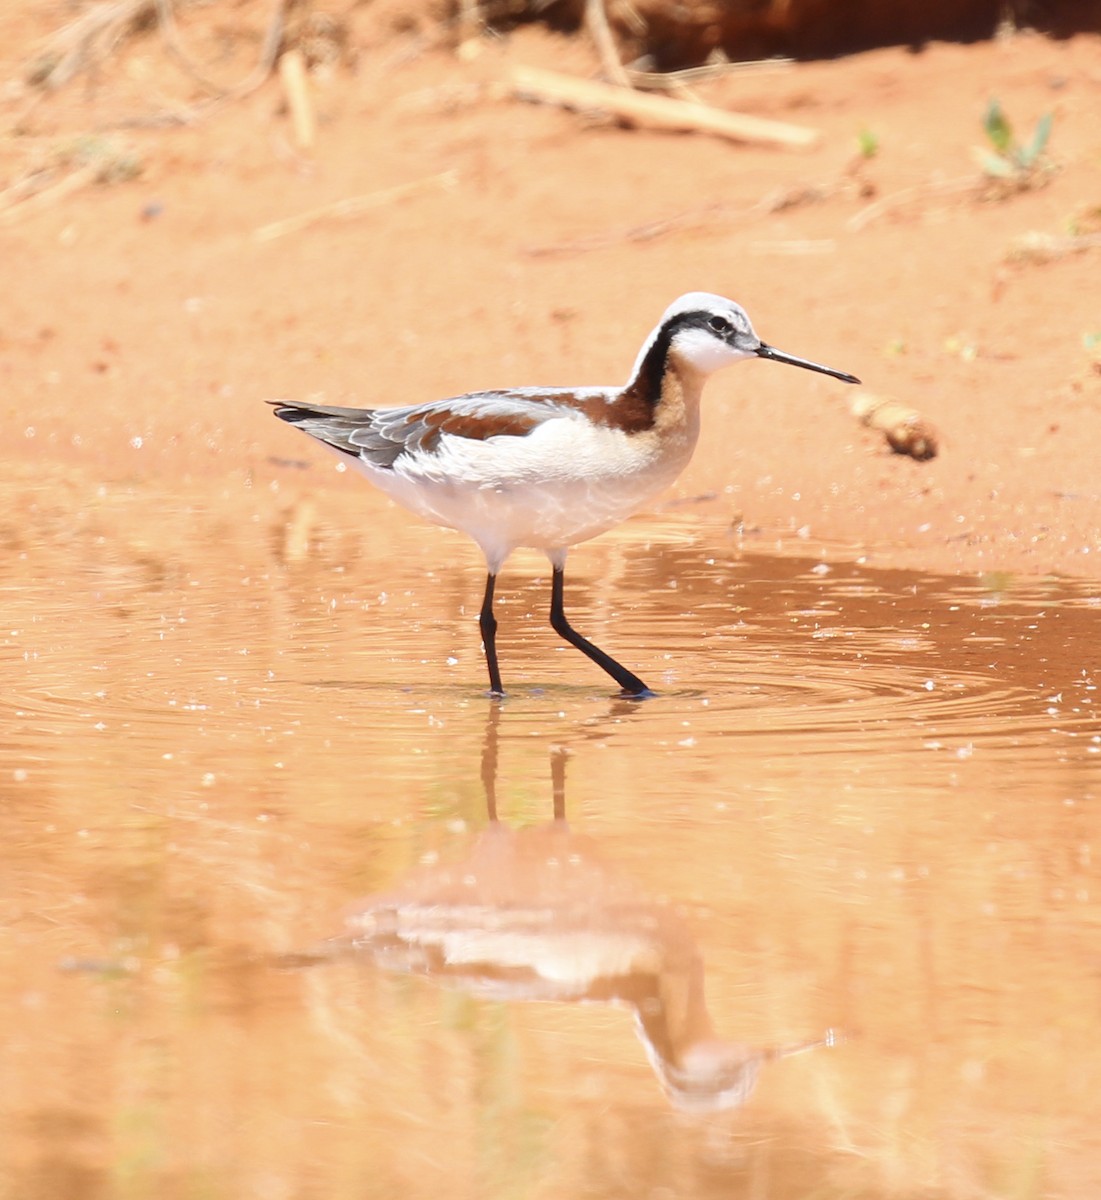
[(380, 436)]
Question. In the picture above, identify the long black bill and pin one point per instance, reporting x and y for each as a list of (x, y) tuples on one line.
[(775, 355)]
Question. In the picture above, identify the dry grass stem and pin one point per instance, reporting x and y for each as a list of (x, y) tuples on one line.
[(778, 200), (922, 192), (353, 206), (86, 41), (45, 197), (646, 231), (273, 39), (292, 75), (471, 21), (597, 21), (62, 168), (658, 81)]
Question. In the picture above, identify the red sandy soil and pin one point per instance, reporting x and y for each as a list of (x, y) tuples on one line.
[(143, 322)]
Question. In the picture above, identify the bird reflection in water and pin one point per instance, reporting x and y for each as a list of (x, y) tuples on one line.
[(538, 914)]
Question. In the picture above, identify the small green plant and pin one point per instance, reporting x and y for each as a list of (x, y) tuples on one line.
[(867, 142), (1020, 164)]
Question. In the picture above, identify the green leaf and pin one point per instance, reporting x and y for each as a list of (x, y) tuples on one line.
[(1030, 153), (997, 127)]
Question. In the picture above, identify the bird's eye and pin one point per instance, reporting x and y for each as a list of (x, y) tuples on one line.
[(719, 325)]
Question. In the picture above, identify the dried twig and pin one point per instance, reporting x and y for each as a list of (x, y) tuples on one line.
[(471, 21), (778, 200), (352, 206), (269, 51), (43, 198), (644, 232), (86, 41), (550, 87), (292, 74), (923, 191), (597, 21), (68, 167), (27, 185), (674, 81)]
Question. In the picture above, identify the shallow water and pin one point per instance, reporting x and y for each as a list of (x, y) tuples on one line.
[(822, 918)]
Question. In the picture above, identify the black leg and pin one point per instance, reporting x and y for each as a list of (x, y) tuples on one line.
[(631, 684), (488, 623)]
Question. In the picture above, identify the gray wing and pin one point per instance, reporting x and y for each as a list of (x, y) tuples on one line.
[(380, 436)]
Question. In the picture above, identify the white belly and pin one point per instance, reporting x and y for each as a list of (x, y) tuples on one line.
[(563, 483)]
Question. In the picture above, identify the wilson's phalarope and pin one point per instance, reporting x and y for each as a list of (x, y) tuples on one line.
[(549, 467)]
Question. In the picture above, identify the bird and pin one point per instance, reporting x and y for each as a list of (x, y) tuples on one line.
[(549, 467)]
